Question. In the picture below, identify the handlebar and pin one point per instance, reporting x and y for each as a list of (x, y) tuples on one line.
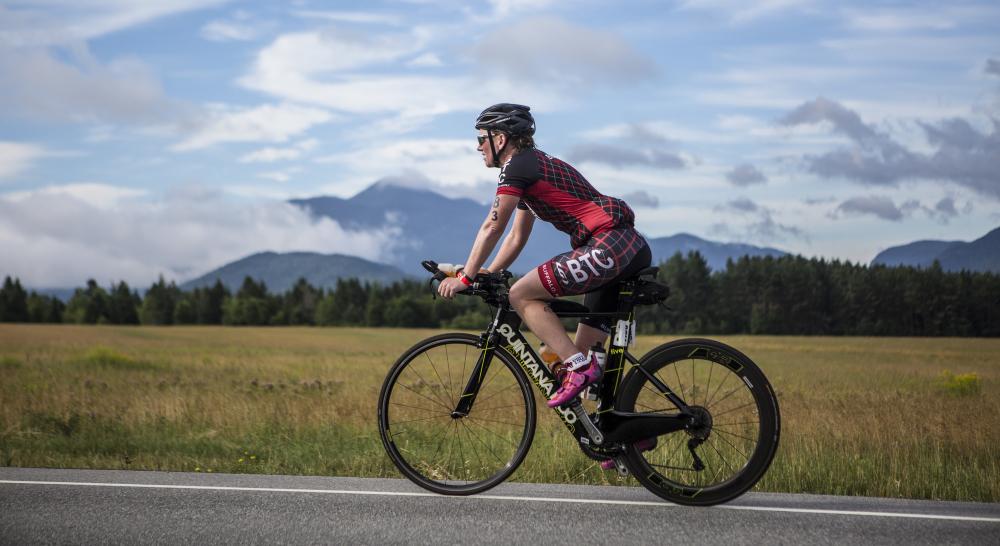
[(485, 285)]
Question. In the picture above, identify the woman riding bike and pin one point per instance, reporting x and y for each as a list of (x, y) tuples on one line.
[(605, 245)]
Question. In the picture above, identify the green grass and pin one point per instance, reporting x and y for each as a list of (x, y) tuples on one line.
[(913, 417)]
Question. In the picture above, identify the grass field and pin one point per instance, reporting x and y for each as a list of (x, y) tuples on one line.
[(896, 417)]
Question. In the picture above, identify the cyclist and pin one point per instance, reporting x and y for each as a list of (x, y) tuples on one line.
[(605, 245)]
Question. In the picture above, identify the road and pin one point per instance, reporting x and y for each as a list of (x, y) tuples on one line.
[(51, 506)]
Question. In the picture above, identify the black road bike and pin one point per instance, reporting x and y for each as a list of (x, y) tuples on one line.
[(694, 420)]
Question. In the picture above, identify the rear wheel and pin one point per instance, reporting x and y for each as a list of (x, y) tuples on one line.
[(737, 423), (444, 453)]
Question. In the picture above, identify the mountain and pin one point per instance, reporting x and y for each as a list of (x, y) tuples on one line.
[(439, 228), (714, 253), (983, 254), (280, 271), (919, 253)]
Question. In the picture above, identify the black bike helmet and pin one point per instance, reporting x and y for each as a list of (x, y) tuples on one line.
[(513, 119)]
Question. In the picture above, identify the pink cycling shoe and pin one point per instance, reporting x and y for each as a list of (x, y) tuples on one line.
[(575, 381)]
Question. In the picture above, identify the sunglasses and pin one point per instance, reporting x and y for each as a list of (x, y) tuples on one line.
[(482, 139)]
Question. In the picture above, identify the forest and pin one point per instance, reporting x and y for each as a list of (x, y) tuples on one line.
[(790, 295)]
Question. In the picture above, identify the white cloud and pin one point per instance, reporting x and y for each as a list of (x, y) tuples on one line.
[(228, 31), (54, 22), (740, 11), (181, 236), (100, 196), (426, 60), (267, 123), (451, 163), (503, 8), (77, 87), (350, 17), (555, 52), (17, 157), (270, 155)]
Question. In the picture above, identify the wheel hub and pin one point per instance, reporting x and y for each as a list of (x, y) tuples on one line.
[(701, 423)]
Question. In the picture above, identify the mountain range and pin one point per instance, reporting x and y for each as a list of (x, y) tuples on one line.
[(983, 254), (279, 272), (439, 228), (428, 225)]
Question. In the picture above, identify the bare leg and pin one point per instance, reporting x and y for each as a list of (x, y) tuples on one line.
[(587, 336), (528, 297)]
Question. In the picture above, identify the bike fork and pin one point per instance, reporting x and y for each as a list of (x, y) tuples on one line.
[(464, 405)]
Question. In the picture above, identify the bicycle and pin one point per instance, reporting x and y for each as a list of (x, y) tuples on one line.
[(685, 437)]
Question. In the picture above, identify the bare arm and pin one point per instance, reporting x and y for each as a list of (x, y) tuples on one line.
[(514, 242), (491, 230)]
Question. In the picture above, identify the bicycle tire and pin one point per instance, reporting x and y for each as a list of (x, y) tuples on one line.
[(446, 455), (739, 437)]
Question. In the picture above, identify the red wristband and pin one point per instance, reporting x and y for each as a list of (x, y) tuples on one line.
[(465, 280)]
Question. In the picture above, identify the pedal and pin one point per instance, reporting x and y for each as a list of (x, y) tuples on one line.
[(620, 467)]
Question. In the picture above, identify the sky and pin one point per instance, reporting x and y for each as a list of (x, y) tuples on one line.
[(153, 138)]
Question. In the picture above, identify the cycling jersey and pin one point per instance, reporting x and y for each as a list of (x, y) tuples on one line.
[(557, 193)]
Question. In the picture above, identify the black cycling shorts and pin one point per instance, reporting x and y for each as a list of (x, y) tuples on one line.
[(595, 268)]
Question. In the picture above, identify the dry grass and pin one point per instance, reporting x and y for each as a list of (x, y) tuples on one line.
[(896, 417)]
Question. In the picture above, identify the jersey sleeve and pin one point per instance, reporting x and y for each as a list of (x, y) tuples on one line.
[(517, 174)]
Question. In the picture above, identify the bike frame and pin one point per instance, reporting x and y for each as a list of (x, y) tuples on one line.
[(606, 425)]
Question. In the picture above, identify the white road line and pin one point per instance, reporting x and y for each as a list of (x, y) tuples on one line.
[(504, 497)]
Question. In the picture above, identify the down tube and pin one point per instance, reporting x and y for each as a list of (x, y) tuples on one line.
[(512, 341)]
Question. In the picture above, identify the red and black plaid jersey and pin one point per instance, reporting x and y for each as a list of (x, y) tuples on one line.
[(557, 193)]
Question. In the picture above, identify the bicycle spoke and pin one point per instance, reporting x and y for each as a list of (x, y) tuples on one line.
[(418, 408), (750, 403), (493, 432), (732, 446), (429, 399), (736, 435), (397, 423), (411, 368), (710, 398), (451, 398)]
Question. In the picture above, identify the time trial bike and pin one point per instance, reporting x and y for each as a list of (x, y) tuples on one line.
[(694, 420)]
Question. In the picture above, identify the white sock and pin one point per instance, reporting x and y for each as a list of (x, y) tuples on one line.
[(577, 361)]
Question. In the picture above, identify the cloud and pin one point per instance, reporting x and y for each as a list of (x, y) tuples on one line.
[(741, 12), (181, 236), (743, 204), (270, 155), (557, 53), (77, 87), (327, 69), (874, 205), (267, 123), (896, 20), (760, 225), (745, 175), (992, 67), (619, 157), (229, 31), (962, 155), (504, 8), (17, 157), (946, 208), (883, 207), (641, 199), (71, 21)]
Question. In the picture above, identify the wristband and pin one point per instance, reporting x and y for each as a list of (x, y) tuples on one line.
[(465, 280)]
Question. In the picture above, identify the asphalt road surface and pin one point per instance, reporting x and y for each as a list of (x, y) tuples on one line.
[(49, 506)]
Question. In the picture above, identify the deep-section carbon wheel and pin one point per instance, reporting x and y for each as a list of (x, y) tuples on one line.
[(447, 454), (736, 422)]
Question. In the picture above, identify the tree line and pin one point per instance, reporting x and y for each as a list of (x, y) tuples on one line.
[(752, 295)]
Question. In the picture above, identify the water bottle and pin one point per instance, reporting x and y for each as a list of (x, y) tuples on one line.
[(597, 351)]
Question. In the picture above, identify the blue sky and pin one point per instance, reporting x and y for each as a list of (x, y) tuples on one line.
[(141, 138)]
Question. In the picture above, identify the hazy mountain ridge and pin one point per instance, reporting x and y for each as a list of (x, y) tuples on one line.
[(280, 271), (443, 229), (982, 254)]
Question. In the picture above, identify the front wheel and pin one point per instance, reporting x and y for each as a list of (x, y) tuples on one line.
[(432, 445), (735, 434)]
